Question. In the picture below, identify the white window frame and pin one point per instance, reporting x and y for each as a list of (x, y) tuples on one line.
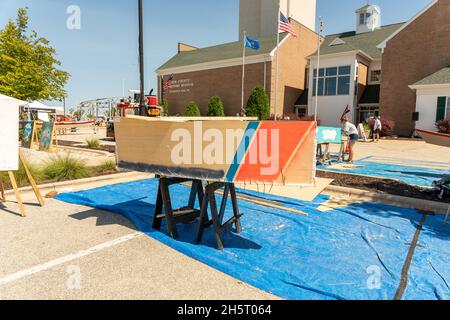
[(372, 73), (325, 77), (447, 108)]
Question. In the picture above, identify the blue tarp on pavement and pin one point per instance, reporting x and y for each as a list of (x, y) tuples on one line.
[(356, 252), (412, 175)]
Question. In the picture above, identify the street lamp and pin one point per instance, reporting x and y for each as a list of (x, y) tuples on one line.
[(142, 104)]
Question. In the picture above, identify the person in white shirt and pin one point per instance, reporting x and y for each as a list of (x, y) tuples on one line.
[(377, 127), (352, 132)]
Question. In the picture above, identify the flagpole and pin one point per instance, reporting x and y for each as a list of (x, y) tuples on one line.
[(243, 74), (316, 108), (278, 62)]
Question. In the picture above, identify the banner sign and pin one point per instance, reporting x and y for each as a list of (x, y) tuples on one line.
[(329, 135)]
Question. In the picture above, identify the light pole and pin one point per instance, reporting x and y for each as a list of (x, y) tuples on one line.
[(142, 104), (316, 108)]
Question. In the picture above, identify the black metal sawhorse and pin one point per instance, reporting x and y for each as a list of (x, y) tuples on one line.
[(183, 215), (216, 222)]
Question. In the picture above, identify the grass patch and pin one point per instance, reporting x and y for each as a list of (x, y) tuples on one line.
[(108, 165), (21, 175), (62, 168), (57, 169), (93, 143)]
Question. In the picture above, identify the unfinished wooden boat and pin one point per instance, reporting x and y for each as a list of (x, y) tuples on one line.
[(74, 124), (223, 150), (435, 138)]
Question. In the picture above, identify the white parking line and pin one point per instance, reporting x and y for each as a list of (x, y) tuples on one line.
[(48, 265)]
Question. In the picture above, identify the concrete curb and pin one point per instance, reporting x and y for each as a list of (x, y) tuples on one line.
[(58, 185), (405, 202)]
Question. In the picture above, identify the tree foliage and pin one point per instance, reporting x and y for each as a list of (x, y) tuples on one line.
[(258, 104), (29, 69), (215, 107), (192, 110)]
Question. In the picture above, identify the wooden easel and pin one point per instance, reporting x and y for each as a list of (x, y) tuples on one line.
[(12, 178)]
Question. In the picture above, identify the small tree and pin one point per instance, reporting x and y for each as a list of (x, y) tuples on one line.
[(192, 110), (164, 104), (258, 104), (215, 107), (29, 68)]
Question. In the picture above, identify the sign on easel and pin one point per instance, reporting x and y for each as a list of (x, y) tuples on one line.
[(48, 137), (9, 155), (29, 136), (9, 135)]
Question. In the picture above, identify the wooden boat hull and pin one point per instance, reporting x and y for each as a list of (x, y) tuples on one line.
[(229, 150), (439, 139)]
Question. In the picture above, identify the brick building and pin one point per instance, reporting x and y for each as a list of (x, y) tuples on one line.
[(199, 74), (415, 77)]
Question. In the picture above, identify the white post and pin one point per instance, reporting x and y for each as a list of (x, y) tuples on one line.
[(277, 63), (316, 109), (243, 73)]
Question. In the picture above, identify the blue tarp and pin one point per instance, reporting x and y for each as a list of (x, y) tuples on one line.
[(326, 255), (412, 175)]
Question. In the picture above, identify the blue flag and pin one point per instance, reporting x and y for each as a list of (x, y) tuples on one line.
[(251, 43)]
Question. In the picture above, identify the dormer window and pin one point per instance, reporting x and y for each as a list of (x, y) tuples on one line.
[(364, 18)]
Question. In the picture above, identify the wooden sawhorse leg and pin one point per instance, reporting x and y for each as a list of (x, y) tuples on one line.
[(216, 215), (2, 189), (182, 215)]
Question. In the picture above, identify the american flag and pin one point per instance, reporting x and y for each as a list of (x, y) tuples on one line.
[(285, 26), (168, 83)]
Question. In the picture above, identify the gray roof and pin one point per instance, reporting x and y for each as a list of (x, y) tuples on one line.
[(440, 77), (366, 42), (220, 52)]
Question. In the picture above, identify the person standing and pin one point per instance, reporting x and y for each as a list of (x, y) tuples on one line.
[(352, 132), (377, 127)]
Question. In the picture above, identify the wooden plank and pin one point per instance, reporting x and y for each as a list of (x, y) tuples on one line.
[(32, 182), (2, 189), (12, 178)]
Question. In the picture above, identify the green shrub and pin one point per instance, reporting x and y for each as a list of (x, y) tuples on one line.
[(93, 143), (215, 107), (164, 104), (108, 165), (66, 168), (192, 110), (258, 104), (21, 175)]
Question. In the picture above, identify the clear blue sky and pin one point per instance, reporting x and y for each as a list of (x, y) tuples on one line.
[(104, 52)]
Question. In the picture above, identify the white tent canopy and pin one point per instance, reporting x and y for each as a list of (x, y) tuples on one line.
[(33, 105)]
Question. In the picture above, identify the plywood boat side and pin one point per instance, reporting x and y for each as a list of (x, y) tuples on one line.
[(435, 138), (218, 150)]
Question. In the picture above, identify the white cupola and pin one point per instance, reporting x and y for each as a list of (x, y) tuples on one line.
[(368, 18)]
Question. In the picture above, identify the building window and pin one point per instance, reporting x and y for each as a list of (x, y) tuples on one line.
[(375, 76), (364, 18), (301, 111), (333, 81)]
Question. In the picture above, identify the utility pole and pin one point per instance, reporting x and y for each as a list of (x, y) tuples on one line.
[(319, 42), (142, 104)]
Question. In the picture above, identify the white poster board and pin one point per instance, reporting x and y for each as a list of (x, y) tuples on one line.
[(9, 135)]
